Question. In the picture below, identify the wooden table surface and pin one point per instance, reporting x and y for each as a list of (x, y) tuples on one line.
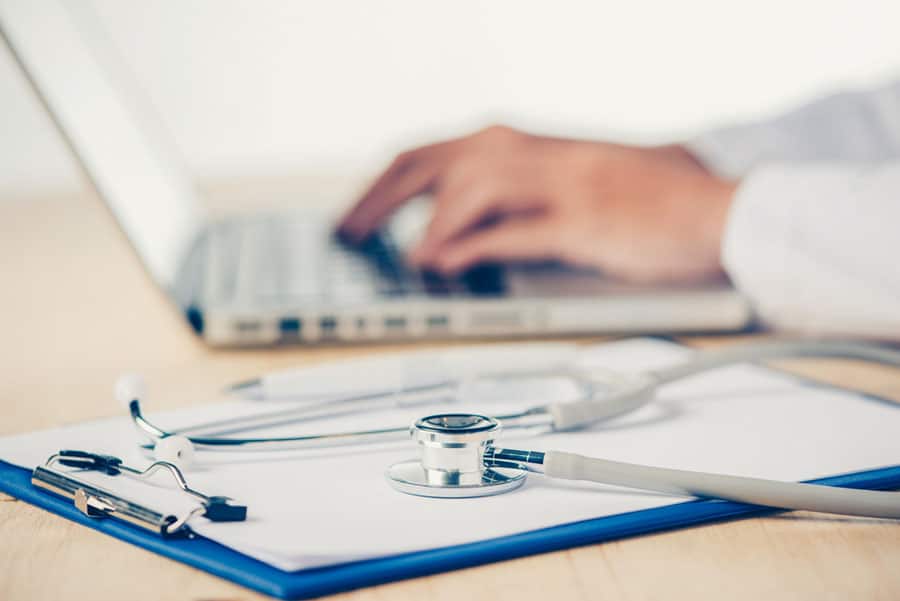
[(76, 310)]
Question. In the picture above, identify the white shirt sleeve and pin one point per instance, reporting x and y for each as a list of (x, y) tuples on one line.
[(813, 235), (816, 247), (852, 126)]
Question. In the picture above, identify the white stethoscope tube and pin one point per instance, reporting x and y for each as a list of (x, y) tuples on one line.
[(581, 413), (755, 491), (457, 458)]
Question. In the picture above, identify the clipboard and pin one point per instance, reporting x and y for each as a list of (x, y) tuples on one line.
[(221, 561), (217, 559)]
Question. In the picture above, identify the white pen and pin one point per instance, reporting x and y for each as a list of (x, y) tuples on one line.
[(413, 371)]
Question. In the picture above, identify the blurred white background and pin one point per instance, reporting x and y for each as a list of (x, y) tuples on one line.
[(277, 87)]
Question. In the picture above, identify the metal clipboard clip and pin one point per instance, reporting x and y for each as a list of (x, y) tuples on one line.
[(96, 502)]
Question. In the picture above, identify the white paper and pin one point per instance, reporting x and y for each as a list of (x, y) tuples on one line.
[(331, 506)]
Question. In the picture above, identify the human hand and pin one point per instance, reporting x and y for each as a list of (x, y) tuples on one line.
[(638, 214)]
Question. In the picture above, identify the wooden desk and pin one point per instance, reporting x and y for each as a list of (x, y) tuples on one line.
[(76, 310)]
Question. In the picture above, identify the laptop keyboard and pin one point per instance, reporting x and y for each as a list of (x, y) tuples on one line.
[(280, 259)]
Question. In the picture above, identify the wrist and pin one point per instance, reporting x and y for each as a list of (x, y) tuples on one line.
[(679, 155), (719, 195)]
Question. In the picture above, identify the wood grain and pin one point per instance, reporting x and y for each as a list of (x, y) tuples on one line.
[(76, 310)]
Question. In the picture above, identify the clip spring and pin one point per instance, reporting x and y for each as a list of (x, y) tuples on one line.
[(97, 502)]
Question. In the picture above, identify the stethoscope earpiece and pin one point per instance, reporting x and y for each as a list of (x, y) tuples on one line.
[(129, 391), (129, 387), (176, 449)]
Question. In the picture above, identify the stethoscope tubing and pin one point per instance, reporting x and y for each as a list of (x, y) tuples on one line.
[(754, 491), (606, 395), (629, 393), (533, 418)]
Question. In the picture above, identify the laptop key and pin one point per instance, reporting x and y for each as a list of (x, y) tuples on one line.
[(487, 279)]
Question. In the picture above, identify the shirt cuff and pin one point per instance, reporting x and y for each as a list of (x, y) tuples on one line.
[(757, 234)]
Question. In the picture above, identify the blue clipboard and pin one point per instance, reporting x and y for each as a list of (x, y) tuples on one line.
[(221, 561), (216, 559)]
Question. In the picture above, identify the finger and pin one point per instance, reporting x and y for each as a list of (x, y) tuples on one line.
[(455, 212), (515, 239), (470, 200), (412, 173)]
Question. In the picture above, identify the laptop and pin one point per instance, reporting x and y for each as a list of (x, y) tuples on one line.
[(282, 278)]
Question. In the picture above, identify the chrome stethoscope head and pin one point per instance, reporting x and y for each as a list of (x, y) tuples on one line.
[(457, 459)]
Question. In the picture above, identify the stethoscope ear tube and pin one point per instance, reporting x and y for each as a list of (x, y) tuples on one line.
[(755, 491), (626, 395), (629, 392)]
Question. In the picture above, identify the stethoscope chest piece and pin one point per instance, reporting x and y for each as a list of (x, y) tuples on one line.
[(451, 459)]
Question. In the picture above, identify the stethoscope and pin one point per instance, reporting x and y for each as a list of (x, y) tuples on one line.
[(457, 456)]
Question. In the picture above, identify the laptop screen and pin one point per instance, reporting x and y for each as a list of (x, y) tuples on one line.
[(72, 65)]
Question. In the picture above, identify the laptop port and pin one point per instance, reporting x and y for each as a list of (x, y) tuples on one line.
[(247, 326), (289, 327), (437, 322), (394, 323), (502, 320), (327, 325)]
